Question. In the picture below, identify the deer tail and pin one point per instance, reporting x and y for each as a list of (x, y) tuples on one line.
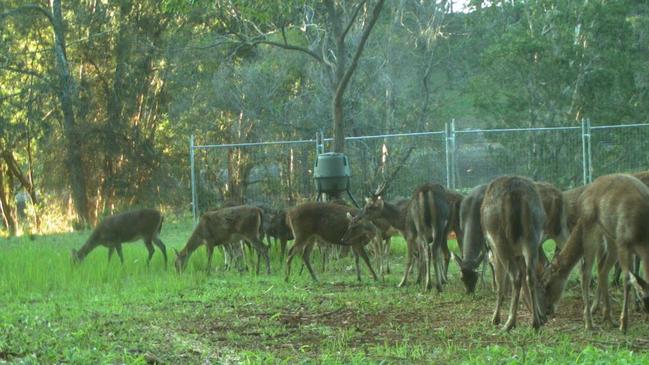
[(513, 211)]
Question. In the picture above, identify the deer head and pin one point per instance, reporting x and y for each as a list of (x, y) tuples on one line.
[(468, 276), (360, 229), (181, 261)]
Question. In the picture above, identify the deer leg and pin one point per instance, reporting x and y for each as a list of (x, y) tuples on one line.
[(150, 251), (441, 263), (447, 257), (210, 251), (406, 271), (499, 282), (357, 266), (263, 251), (360, 250), (110, 253), (587, 266), (386, 253), (516, 277), (291, 253), (282, 245), (625, 261), (427, 258), (307, 262), (603, 269), (162, 248), (530, 280), (118, 248)]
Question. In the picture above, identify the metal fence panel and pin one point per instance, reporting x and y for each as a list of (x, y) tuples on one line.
[(621, 148), (544, 154), (276, 173), (425, 163)]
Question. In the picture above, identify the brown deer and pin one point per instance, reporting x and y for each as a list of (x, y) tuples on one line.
[(425, 231), (278, 229), (512, 217), (473, 250), (131, 226), (226, 225), (327, 223), (389, 218), (474, 245), (612, 211)]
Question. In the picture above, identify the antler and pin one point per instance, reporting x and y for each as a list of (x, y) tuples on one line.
[(384, 185)]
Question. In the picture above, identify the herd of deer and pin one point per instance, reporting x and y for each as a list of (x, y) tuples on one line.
[(504, 222)]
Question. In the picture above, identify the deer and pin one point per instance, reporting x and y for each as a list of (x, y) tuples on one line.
[(513, 220), (224, 226), (278, 229), (612, 215), (474, 246), (131, 226), (328, 223)]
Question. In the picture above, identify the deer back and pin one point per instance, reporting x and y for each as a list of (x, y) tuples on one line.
[(128, 226), (428, 211), (228, 224), (512, 211), (619, 203)]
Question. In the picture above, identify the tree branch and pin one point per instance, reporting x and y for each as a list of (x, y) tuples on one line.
[(352, 20), (366, 33), (291, 47), (25, 8)]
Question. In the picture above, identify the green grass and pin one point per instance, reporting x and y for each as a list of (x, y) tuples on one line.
[(100, 312)]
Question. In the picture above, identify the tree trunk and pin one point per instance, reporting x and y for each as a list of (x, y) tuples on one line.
[(5, 205), (73, 160)]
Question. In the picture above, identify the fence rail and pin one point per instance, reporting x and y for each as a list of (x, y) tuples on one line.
[(277, 172)]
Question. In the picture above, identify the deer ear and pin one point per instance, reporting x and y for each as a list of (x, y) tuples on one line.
[(368, 200), (349, 216), (457, 259), (639, 283)]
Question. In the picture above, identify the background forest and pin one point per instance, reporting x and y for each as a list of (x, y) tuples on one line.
[(98, 98)]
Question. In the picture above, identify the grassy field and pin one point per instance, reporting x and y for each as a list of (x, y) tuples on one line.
[(99, 312)]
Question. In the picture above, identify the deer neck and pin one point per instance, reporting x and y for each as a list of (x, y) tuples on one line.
[(88, 246), (474, 247), (393, 215), (195, 240), (571, 253)]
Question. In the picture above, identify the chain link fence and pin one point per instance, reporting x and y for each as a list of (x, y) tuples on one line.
[(278, 174)]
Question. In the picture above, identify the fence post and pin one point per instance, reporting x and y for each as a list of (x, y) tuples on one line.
[(590, 151), (193, 179), (586, 151), (447, 143), (453, 157)]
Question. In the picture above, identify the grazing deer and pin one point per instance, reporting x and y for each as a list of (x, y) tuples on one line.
[(473, 252), (131, 226), (328, 223), (389, 218), (426, 225), (474, 245), (614, 207), (223, 226), (513, 218)]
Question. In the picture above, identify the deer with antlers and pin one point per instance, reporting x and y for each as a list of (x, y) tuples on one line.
[(222, 226), (513, 218), (614, 207)]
